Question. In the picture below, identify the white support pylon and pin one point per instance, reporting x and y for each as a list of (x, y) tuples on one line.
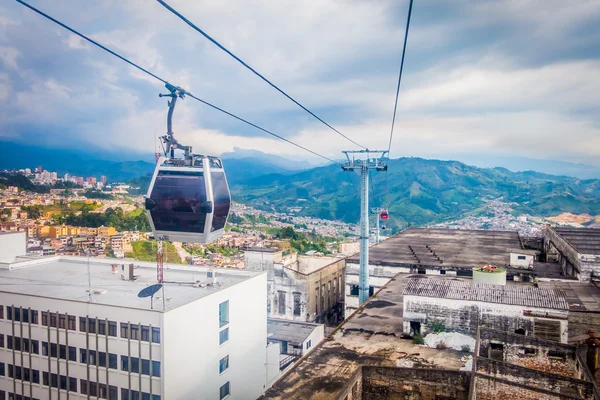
[(364, 165)]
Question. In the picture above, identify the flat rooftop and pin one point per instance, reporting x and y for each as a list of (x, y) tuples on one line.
[(520, 295), (584, 240), (445, 248), (294, 332), (66, 278), (371, 336)]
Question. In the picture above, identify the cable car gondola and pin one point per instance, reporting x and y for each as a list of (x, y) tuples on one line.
[(384, 215), (188, 199)]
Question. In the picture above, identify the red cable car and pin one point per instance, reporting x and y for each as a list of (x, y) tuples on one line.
[(384, 216)]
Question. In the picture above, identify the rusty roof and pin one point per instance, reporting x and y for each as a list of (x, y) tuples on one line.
[(527, 296)]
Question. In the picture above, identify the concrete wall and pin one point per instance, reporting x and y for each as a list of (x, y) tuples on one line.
[(12, 244), (259, 260), (465, 316), (534, 378), (489, 388), (317, 335), (380, 383), (192, 351)]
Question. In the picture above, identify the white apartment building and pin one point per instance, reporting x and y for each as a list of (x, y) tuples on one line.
[(61, 340)]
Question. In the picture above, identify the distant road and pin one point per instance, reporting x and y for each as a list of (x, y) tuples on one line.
[(183, 254)]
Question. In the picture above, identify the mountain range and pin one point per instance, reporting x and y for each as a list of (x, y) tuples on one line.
[(415, 190), (420, 191)]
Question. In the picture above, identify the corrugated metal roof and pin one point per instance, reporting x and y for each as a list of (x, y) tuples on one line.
[(511, 294)]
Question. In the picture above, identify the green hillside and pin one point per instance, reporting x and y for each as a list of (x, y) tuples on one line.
[(420, 191)]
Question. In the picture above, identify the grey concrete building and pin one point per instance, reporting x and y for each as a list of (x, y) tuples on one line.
[(462, 306), (576, 250), (300, 288)]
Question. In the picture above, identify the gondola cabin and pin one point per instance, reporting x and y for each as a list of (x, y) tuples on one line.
[(188, 199), (384, 215)]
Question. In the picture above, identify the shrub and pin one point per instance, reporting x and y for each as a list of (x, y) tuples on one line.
[(437, 327), (418, 339), (465, 348)]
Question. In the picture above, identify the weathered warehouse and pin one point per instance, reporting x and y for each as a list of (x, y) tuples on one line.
[(449, 252), (576, 250), (463, 305)]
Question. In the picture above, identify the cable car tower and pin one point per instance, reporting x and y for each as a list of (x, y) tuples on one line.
[(364, 165)]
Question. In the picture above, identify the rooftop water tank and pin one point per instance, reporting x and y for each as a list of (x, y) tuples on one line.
[(489, 274)]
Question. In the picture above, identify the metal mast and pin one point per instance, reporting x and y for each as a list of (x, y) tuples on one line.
[(376, 212), (364, 164)]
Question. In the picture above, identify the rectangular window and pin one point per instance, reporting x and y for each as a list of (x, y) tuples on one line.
[(91, 325), (113, 393), (281, 302), (36, 376), (44, 349), (124, 330), (73, 385), (83, 386), (135, 332), (102, 359), (135, 365), (354, 290), (224, 391), (83, 356), (224, 336), (521, 257), (112, 328), (53, 350), (155, 335), (35, 347), (1, 312), (63, 352), (308, 344), (63, 382), (155, 368), (2, 340), (146, 367), (223, 313), (2, 369), (71, 323), (83, 326), (44, 318), (72, 353), (53, 320), (112, 361), (101, 327), (145, 330), (62, 321), (34, 317), (224, 364), (297, 304), (124, 363)]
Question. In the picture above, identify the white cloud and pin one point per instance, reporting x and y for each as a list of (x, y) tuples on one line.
[(460, 93)]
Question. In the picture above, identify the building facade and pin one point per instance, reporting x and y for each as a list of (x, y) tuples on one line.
[(300, 288), (61, 338), (463, 306)]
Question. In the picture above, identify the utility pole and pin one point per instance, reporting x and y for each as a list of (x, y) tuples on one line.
[(364, 165)]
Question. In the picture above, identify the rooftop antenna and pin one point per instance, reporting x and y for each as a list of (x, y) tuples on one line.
[(89, 276), (150, 291)]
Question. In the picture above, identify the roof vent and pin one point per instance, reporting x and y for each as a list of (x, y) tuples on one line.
[(97, 290)]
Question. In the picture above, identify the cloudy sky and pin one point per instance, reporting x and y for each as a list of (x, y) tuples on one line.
[(486, 78)]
